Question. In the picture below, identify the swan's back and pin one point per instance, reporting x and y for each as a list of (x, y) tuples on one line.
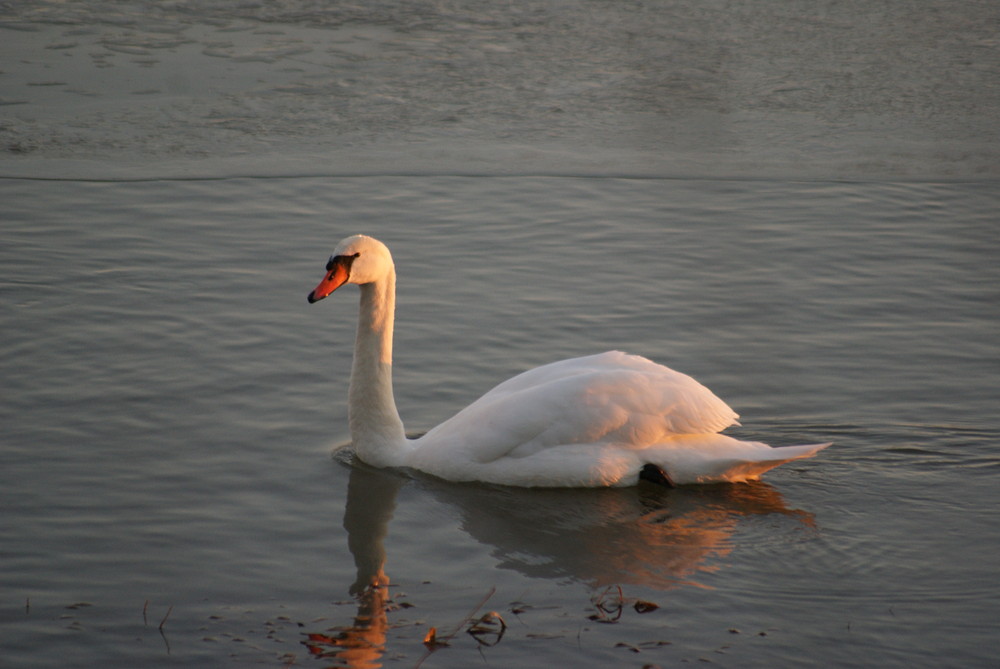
[(627, 390), (585, 421)]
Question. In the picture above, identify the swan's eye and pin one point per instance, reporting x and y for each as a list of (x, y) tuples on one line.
[(341, 260)]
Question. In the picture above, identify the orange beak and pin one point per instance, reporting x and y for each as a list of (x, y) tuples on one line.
[(334, 279)]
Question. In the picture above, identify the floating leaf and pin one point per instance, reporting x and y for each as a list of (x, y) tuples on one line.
[(431, 640), (642, 606)]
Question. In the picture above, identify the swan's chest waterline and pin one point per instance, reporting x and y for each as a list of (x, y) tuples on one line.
[(376, 429)]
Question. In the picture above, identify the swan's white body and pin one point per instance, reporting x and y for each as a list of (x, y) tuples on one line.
[(583, 422)]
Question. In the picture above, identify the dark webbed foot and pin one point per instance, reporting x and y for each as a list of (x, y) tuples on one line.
[(655, 474)]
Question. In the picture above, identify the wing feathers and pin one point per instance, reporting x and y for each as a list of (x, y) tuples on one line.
[(609, 397)]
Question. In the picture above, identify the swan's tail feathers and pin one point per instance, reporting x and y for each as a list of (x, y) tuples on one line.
[(738, 471), (798, 452)]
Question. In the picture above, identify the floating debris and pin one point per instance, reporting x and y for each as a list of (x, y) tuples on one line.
[(630, 647), (489, 629), (431, 639), (609, 608), (642, 606), (517, 608), (164, 621)]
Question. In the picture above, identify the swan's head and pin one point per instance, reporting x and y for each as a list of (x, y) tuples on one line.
[(357, 259)]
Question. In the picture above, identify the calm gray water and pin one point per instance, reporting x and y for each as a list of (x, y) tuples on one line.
[(172, 486)]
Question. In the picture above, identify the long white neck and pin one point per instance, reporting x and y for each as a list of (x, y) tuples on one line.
[(376, 430)]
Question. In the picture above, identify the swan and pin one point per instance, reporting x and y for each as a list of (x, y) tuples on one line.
[(609, 419)]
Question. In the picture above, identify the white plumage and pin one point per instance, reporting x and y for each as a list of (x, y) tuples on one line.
[(583, 422)]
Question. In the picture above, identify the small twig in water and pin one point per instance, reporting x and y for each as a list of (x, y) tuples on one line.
[(433, 640), (608, 610), (471, 613), (163, 622), (145, 621), (488, 630), (163, 635)]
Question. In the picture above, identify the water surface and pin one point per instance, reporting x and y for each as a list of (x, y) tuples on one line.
[(171, 478)]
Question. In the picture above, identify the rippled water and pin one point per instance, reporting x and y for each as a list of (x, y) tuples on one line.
[(172, 403), (847, 89), (171, 478)]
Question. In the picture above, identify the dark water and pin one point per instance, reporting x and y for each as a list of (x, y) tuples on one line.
[(170, 484), (171, 404)]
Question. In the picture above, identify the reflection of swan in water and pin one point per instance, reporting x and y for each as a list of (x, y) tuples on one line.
[(371, 498), (649, 536)]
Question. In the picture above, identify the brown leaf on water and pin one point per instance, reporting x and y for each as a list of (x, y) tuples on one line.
[(431, 640), (642, 606), (622, 644)]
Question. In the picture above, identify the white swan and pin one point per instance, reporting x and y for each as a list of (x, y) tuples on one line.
[(601, 420)]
